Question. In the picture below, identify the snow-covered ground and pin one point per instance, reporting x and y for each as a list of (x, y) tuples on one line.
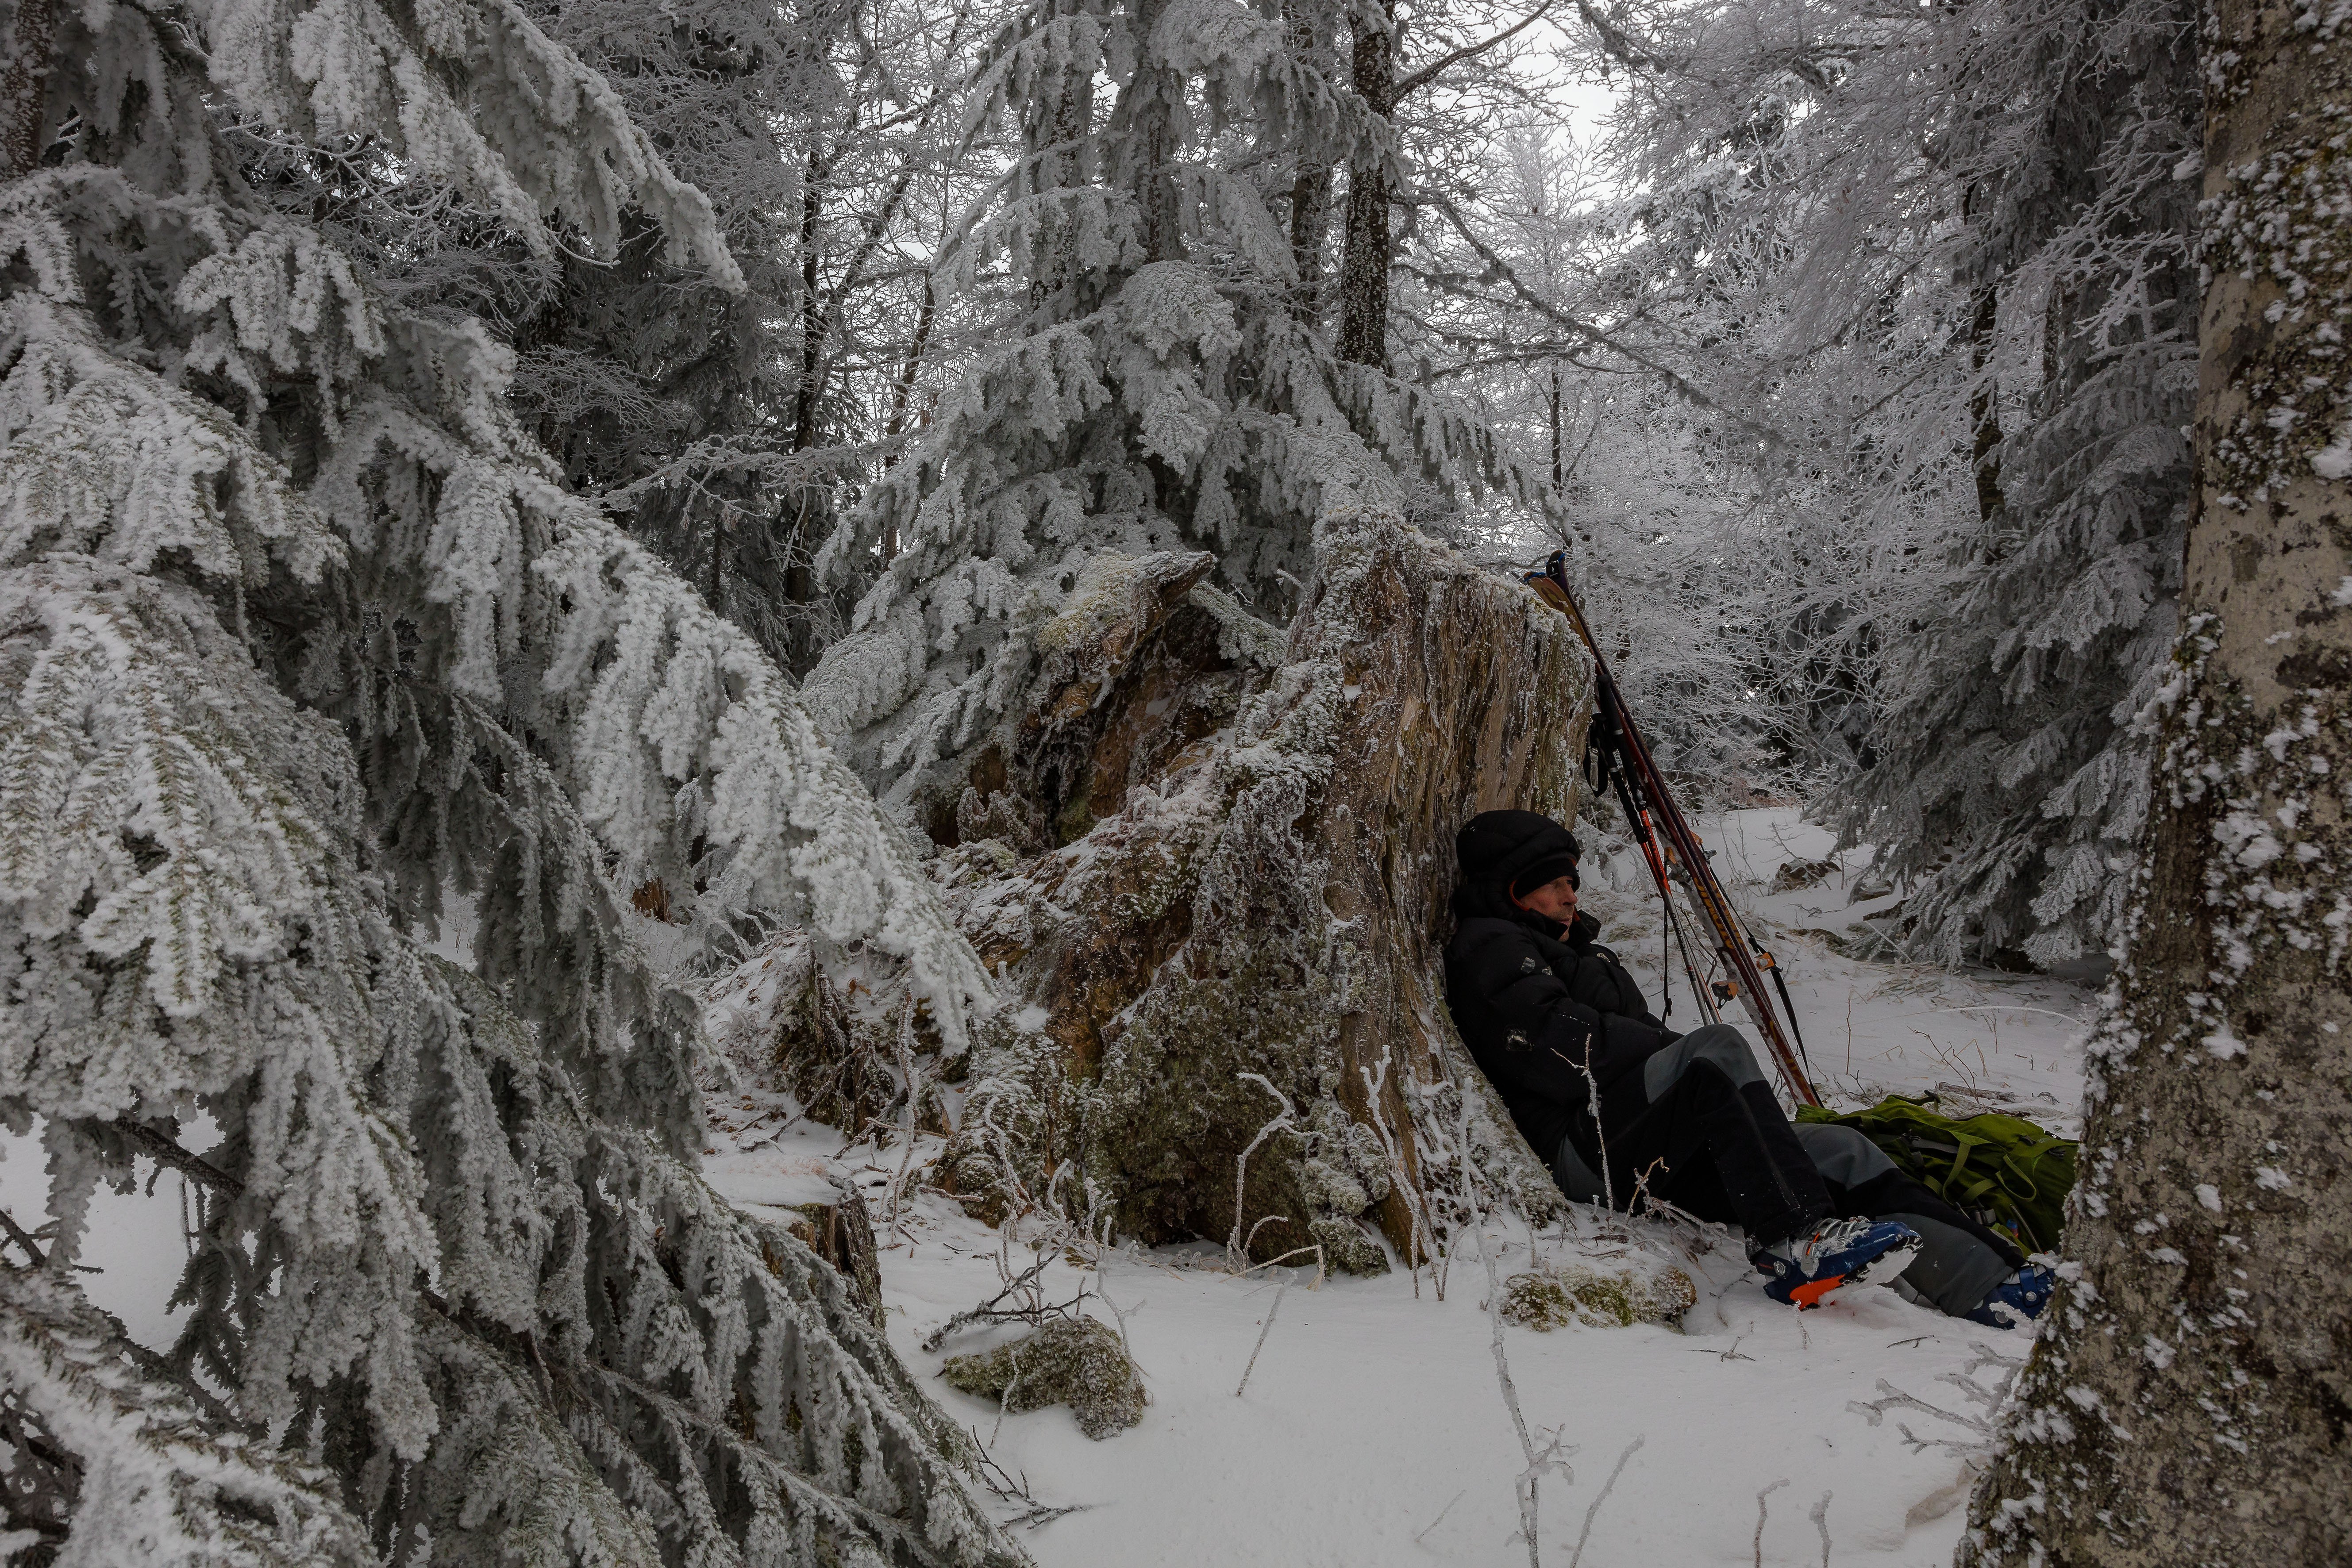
[(1372, 1429)]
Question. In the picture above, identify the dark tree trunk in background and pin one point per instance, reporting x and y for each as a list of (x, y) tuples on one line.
[(1984, 405), (1559, 453), (2189, 1403), (1310, 219), (1364, 262), (794, 522), (24, 87), (1149, 105), (804, 391), (1310, 193)]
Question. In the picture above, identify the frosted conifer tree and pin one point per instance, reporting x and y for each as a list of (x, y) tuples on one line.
[(722, 426), (304, 653), (669, 395), (1939, 258), (1151, 387), (2010, 783)]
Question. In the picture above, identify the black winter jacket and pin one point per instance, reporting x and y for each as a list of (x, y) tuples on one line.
[(1538, 1005)]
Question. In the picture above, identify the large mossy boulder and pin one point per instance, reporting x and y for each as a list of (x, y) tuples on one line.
[(1211, 862), (1220, 895)]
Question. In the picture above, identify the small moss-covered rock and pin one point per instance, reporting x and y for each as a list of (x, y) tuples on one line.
[(1597, 1298), (1074, 1362), (1347, 1248)]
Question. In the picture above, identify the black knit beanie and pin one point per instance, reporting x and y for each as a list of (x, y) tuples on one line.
[(1521, 850), (1545, 869)]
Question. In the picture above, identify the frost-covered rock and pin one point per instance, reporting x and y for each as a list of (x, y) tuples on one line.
[(1227, 932), (1076, 1361), (1794, 875), (1211, 865)]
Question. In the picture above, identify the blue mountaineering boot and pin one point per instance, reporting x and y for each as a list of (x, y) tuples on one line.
[(1804, 1269), (2022, 1295)]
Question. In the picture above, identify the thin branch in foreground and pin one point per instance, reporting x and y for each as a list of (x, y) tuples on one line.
[(1261, 1341), (17, 1233), (1590, 1513), (998, 1480), (1761, 1512), (992, 1312), (1237, 1245), (1523, 1485), (164, 1151), (1441, 1512)]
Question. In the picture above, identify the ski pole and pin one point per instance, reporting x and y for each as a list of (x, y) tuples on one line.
[(1660, 821)]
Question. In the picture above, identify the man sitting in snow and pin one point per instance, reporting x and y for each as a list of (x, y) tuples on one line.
[(1597, 1085)]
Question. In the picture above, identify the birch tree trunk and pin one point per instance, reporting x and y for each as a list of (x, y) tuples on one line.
[(2189, 1402)]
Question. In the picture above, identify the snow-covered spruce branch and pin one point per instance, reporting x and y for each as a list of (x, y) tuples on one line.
[(97, 1437), (275, 644)]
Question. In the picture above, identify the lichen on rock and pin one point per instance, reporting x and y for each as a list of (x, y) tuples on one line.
[(1076, 1361), (1597, 1298)]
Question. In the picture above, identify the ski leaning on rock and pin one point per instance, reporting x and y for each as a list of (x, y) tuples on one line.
[(1621, 760)]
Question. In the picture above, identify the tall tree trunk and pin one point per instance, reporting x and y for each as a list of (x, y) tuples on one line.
[(813, 323), (1559, 453), (1364, 261), (1148, 106), (1310, 188), (25, 87), (1310, 219), (2189, 1403), (1984, 403), (902, 392), (811, 505)]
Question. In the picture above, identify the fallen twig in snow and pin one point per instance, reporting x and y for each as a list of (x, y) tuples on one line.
[(1261, 1341), (1984, 1427), (1524, 1485), (1760, 1510), (1001, 1483), (1591, 1513), (1033, 1310), (1441, 1512), (1321, 1271), (1820, 1518)]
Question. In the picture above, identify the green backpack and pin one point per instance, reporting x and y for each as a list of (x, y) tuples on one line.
[(2003, 1170)]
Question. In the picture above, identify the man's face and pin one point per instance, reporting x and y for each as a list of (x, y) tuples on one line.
[(1555, 900)]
